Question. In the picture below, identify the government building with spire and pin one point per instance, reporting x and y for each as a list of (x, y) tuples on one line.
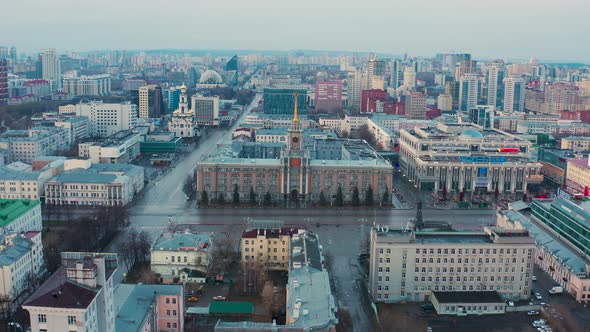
[(296, 172)]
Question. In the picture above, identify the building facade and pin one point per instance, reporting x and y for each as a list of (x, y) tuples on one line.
[(495, 84), (51, 68), (469, 91), (514, 94), (328, 95), (267, 248), (280, 101), (174, 252), (119, 148), (151, 102), (107, 119), (206, 110), (577, 179), (575, 143), (93, 85), (26, 145), (457, 157), (182, 123), (416, 106), (409, 266)]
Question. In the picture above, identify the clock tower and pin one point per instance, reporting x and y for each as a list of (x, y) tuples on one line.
[(295, 161)]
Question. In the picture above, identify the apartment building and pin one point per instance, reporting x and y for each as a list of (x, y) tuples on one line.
[(16, 184), (575, 143), (26, 145), (267, 247), (20, 216), (77, 297), (78, 127), (143, 307), (172, 253), (92, 85), (21, 262), (84, 183), (105, 118), (409, 265), (577, 178)]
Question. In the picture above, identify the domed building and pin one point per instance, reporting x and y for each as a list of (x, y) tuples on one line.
[(210, 78)]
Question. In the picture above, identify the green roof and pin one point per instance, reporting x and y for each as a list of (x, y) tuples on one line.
[(10, 209), (229, 307)]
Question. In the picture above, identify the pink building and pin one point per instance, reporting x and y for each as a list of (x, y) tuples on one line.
[(328, 95)]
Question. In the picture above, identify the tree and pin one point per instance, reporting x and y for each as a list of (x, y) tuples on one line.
[(323, 200), (252, 196), (189, 185), (221, 198), (345, 134), (204, 198), (385, 201), (369, 196), (236, 196), (224, 254), (355, 197), (339, 200), (267, 199), (365, 133)]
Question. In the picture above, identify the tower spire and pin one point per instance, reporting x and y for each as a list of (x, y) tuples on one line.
[(295, 112)]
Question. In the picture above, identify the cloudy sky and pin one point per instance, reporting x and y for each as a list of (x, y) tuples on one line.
[(549, 30)]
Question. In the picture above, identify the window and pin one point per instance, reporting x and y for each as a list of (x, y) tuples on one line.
[(71, 320), (167, 300), (173, 312), (167, 312), (42, 318), (173, 300), (167, 325)]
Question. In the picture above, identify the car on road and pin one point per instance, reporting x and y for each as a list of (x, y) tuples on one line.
[(192, 299), (538, 296), (219, 298), (534, 278), (510, 303), (532, 313)]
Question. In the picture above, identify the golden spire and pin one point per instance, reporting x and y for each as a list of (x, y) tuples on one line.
[(295, 113)]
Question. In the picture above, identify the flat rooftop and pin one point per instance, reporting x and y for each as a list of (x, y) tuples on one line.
[(175, 241), (11, 209)]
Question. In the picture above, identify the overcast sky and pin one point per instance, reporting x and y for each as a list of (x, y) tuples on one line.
[(546, 29)]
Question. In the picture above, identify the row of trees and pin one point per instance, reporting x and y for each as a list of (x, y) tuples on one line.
[(323, 200), (136, 249)]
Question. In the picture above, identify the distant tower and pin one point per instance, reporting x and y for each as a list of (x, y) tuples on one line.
[(183, 103), (496, 84), (51, 68)]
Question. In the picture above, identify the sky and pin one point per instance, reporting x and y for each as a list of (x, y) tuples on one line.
[(545, 29)]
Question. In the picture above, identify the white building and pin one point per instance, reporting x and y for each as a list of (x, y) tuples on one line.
[(495, 83), (20, 216), (445, 102), (107, 119), (119, 148), (93, 85), (182, 123), (78, 296), (26, 145), (51, 69), (469, 89), (23, 185), (98, 185), (77, 126), (514, 94), (206, 110), (409, 266), (174, 252), (21, 262)]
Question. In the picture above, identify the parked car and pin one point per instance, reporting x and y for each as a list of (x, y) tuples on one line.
[(534, 278), (538, 296), (192, 299), (219, 298), (533, 313), (510, 303)]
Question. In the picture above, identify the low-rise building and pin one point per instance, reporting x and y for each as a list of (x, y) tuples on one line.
[(577, 178), (21, 263), (267, 248), (26, 145), (566, 264), (77, 126), (95, 184), (77, 297), (20, 216), (16, 184), (149, 308), (408, 265), (119, 148), (174, 252)]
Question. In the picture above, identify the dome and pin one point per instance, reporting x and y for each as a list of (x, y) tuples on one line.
[(210, 77), (471, 133)]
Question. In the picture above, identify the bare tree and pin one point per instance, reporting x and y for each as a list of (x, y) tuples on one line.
[(5, 310), (189, 185), (223, 255)]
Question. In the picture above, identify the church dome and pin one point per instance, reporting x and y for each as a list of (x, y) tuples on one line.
[(210, 77)]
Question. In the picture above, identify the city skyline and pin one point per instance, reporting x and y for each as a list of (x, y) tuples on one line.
[(526, 30)]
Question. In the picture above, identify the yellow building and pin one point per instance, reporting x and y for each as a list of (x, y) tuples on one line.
[(267, 247), (576, 143), (578, 175)]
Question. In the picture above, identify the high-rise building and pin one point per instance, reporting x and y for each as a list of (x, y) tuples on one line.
[(151, 102), (206, 110), (4, 52), (107, 119), (514, 94), (356, 84), (13, 54), (370, 97), (452, 89), (482, 115), (172, 98), (376, 73), (51, 68), (561, 96), (328, 95), (449, 61), (3, 81), (469, 88), (465, 67), (396, 74), (445, 102), (495, 83), (409, 78), (93, 85), (416, 105), (280, 101)]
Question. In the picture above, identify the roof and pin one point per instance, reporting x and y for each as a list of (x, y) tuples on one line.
[(231, 307), (269, 232), (7, 173), (467, 297), (12, 254), (175, 241), (11, 209), (582, 163), (84, 177), (132, 303), (69, 295)]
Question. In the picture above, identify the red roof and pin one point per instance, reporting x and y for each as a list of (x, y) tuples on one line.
[(31, 234)]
